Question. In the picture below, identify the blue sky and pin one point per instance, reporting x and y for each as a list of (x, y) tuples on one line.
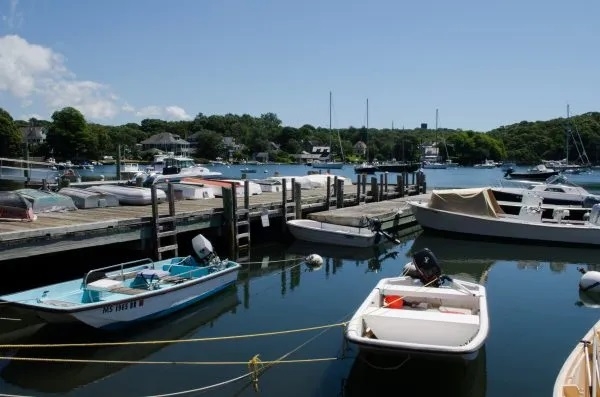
[(481, 64)]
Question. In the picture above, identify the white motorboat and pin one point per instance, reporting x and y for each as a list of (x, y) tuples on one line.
[(486, 164), (476, 212), (125, 293), (580, 374), (130, 195), (557, 190), (422, 313), (329, 233)]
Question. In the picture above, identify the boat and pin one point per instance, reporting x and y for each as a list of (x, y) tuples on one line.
[(329, 164), (476, 212), (125, 293), (61, 379), (248, 171), (433, 165), (365, 168), (84, 198), (422, 313), (486, 164), (329, 233), (130, 195), (556, 190), (13, 206), (46, 201), (217, 185), (579, 374), (537, 173), (268, 185), (184, 191)]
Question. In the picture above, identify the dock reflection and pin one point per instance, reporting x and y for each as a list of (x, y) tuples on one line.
[(62, 377), (373, 374)]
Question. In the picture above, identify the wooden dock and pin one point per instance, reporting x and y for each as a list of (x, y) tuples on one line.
[(142, 226)]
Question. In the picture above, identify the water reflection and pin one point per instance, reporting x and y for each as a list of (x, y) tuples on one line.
[(588, 299), (373, 374), (528, 256), (63, 377)]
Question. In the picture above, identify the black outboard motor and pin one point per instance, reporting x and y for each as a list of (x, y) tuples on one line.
[(427, 267), (509, 171)]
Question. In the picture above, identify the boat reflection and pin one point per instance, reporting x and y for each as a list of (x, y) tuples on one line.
[(454, 249), (62, 377), (372, 374)]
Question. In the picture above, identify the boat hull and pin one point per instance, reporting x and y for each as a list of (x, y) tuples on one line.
[(332, 166), (572, 379), (504, 227), (328, 233), (456, 329), (141, 308)]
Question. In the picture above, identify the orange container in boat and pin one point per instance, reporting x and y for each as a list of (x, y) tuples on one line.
[(393, 301)]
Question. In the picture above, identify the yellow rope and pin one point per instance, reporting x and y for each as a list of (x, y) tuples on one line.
[(255, 364), (171, 341)]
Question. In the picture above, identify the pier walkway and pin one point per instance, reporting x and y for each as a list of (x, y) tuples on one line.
[(71, 230)]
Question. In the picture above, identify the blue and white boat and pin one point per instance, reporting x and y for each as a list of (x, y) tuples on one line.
[(121, 294)]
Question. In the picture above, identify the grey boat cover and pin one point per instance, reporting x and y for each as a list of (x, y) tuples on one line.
[(84, 198), (45, 201)]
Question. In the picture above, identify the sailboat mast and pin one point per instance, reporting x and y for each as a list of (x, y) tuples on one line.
[(567, 133), (367, 138)]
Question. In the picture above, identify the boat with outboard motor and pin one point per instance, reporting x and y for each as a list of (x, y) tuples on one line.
[(329, 233), (476, 212), (422, 312), (125, 293)]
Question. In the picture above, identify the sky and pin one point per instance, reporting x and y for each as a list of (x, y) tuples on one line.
[(481, 64)]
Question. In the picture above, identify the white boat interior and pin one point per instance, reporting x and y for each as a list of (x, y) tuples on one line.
[(580, 373), (422, 315)]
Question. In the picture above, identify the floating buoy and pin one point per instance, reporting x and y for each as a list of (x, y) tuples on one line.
[(314, 260), (590, 281)]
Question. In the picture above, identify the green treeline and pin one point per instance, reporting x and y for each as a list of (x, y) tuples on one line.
[(71, 137)]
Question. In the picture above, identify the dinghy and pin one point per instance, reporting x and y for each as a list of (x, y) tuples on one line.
[(268, 185), (130, 195), (579, 375), (329, 233), (15, 207), (125, 293), (46, 201), (422, 313), (191, 192), (84, 198)]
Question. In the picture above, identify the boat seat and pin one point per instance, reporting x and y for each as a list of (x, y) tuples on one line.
[(104, 284), (423, 327)]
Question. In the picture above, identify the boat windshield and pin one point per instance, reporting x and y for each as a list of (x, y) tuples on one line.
[(559, 180)]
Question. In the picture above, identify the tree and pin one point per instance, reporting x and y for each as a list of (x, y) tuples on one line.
[(68, 134), (10, 136)]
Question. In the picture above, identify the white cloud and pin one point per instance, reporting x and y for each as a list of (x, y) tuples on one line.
[(35, 74), (31, 116), (13, 18), (177, 113)]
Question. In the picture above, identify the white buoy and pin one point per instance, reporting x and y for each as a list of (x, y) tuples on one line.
[(590, 281), (314, 260)]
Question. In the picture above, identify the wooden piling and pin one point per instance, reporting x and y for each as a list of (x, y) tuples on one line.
[(229, 216), (357, 189), (400, 184), (246, 194), (283, 203), (293, 189), (374, 190), (385, 183), (328, 194), (339, 200), (380, 187), (118, 162), (297, 189), (363, 178)]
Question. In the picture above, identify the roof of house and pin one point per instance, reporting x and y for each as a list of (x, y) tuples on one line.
[(165, 138)]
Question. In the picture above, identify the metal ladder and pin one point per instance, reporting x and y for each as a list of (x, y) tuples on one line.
[(164, 228), (242, 235)]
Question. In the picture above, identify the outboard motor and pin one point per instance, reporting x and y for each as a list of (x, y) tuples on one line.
[(202, 250), (427, 268), (509, 171), (590, 201)]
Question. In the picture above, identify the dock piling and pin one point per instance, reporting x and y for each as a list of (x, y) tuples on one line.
[(297, 189), (246, 194), (339, 193), (374, 190), (328, 194)]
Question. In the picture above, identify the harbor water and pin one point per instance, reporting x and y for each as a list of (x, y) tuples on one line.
[(537, 316)]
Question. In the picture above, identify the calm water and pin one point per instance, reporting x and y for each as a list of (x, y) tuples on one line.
[(536, 314)]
